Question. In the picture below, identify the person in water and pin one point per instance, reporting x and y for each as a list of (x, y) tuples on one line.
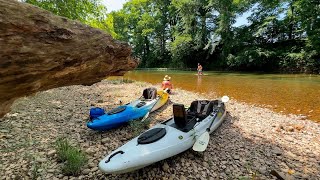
[(199, 69), (166, 84)]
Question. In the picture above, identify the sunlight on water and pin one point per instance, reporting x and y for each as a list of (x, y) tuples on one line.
[(287, 93)]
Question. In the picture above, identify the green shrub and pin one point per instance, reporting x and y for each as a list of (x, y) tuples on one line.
[(138, 126), (72, 157), (127, 81), (120, 81)]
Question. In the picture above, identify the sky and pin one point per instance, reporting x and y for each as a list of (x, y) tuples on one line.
[(113, 5)]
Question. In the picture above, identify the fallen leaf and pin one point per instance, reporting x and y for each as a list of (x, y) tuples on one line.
[(290, 171)]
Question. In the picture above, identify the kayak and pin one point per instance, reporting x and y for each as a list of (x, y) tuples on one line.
[(166, 139), (150, 101)]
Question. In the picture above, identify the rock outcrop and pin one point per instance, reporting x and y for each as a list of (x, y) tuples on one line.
[(40, 51)]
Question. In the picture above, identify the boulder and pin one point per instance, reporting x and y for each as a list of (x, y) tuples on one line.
[(40, 51)]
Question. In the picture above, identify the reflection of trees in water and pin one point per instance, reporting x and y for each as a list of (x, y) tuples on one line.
[(199, 82)]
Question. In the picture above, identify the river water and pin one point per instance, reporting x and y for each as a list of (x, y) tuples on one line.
[(285, 93)]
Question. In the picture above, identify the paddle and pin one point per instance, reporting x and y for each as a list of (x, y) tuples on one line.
[(147, 115), (202, 142)]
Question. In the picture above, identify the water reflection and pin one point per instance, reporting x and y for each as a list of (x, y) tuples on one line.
[(199, 82)]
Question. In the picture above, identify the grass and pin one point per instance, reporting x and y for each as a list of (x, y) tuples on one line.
[(72, 157), (252, 173), (138, 126), (120, 81), (35, 167)]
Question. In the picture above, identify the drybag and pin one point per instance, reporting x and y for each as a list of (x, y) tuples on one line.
[(96, 112)]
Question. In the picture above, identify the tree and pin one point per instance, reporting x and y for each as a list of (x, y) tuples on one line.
[(90, 12)]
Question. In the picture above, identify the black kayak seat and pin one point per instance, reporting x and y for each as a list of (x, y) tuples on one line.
[(150, 93), (116, 110), (201, 109), (183, 121), (152, 135)]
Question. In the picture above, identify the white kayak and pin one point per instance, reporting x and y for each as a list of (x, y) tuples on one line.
[(167, 139)]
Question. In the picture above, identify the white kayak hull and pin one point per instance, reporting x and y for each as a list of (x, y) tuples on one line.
[(175, 141)]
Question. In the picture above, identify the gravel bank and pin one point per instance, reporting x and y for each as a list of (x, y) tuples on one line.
[(251, 142)]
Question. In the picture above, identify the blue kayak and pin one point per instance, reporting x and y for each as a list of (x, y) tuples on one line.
[(150, 101)]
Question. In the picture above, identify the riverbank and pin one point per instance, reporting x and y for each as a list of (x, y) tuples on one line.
[(250, 143)]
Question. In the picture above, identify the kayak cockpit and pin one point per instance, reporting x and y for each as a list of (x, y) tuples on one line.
[(149, 93), (182, 121), (117, 110), (185, 120)]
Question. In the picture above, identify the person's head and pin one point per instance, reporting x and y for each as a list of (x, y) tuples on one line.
[(166, 78), (198, 64)]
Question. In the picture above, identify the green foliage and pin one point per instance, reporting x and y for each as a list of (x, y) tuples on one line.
[(300, 62), (281, 35), (138, 126), (34, 169), (180, 49), (250, 58), (72, 157), (90, 12), (121, 81)]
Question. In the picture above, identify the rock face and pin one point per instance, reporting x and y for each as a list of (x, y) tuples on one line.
[(40, 51)]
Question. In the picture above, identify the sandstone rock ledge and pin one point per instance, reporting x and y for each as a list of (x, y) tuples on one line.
[(40, 51), (252, 141)]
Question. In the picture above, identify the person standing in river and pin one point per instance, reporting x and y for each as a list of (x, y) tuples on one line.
[(199, 69)]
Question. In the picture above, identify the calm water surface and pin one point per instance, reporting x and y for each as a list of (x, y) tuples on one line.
[(287, 93)]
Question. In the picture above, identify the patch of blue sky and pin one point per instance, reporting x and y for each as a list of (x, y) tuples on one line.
[(113, 5)]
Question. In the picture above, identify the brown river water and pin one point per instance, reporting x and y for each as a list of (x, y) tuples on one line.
[(285, 93)]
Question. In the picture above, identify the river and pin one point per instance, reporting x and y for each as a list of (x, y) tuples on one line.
[(284, 93)]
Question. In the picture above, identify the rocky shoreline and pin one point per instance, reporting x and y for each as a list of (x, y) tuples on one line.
[(251, 143)]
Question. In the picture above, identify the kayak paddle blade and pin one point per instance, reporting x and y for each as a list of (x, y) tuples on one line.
[(145, 117), (202, 142), (225, 99)]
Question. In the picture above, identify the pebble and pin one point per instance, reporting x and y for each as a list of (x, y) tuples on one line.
[(52, 152), (86, 171), (165, 166), (183, 178), (41, 160), (94, 169), (105, 140)]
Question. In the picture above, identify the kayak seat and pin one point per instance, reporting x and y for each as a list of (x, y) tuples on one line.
[(150, 93), (201, 109), (183, 121), (152, 135), (116, 110)]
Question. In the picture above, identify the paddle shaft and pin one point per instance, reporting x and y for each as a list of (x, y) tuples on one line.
[(214, 117)]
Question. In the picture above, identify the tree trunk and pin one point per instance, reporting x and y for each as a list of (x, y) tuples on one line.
[(40, 51), (291, 21)]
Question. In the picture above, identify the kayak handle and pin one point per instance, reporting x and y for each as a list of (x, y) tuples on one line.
[(114, 155)]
